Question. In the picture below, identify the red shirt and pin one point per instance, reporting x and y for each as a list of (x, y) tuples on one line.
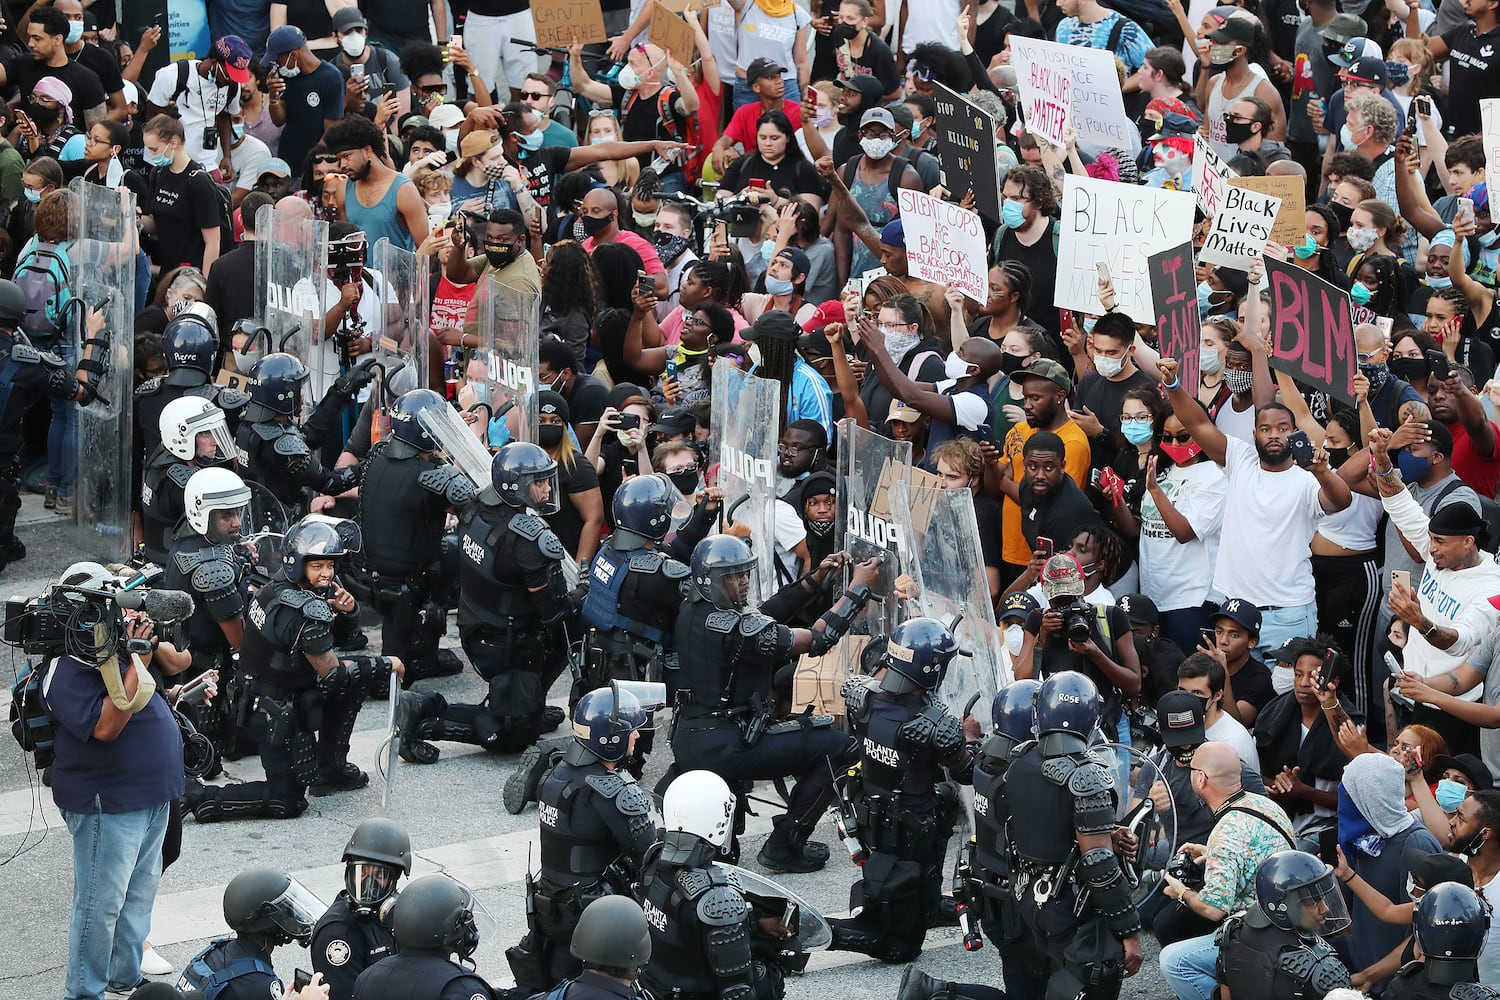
[(1479, 472), (742, 126), (648, 252)]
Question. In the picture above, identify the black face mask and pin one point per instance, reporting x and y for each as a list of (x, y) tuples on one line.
[(501, 254), (820, 528), (1011, 363), (686, 482), (550, 435), (1237, 132), (1184, 755), (44, 117), (1408, 369), (1337, 456), (594, 225), (1342, 212), (842, 33)]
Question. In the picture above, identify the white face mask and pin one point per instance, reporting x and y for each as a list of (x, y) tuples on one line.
[(875, 149), (1014, 636), (955, 367), (1107, 366), (754, 354), (629, 78), (353, 44), (287, 72), (1209, 362)]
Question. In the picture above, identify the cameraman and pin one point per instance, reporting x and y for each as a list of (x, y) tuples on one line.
[(117, 770), (1073, 634), (1249, 829)]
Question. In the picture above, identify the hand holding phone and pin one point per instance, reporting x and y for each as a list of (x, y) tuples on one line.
[(1045, 546), (1401, 577), (1325, 673), (1439, 363)]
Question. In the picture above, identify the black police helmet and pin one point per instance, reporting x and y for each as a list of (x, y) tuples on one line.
[(435, 913), (271, 904), (917, 656), (405, 425), (311, 538), (643, 507), (1067, 704), (612, 932), (12, 303), (1451, 925), (1013, 712), (190, 342), (277, 383), (515, 468), (717, 557), (603, 720), (1283, 880), (376, 843)]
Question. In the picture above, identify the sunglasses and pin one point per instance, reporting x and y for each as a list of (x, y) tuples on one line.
[(1177, 438), (326, 158), (527, 95)]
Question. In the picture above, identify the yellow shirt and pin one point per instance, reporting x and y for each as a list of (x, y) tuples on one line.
[(1076, 460)]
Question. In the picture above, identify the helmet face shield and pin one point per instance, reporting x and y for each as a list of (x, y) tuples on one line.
[(1318, 907), (227, 524), (369, 883), (731, 586), (213, 444), (539, 492), (296, 911)]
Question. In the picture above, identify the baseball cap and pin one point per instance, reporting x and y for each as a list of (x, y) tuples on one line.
[(1018, 605), (235, 54), (347, 19), (1239, 610), (1367, 69), (1062, 576), (801, 263), (777, 324), (1344, 27), (866, 86), (678, 420), (813, 346), (1139, 609), (1179, 716), (276, 166), (1175, 126), (445, 116), (476, 143), (1048, 369), (1469, 764), (1354, 49), (831, 311), (893, 234), (1239, 30), (1287, 652), (878, 116), (900, 411), (761, 68), (133, 96), (287, 38)]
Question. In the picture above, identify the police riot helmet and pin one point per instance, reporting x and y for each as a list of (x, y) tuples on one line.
[(378, 853), (1013, 712), (12, 303), (184, 418), (917, 656), (612, 932), (317, 536), (1067, 710), (190, 343), (271, 904), (1451, 925), (1298, 892), (699, 803), (436, 913), (715, 560), (217, 490), (518, 468), (276, 383), (603, 720), (405, 426), (645, 509)]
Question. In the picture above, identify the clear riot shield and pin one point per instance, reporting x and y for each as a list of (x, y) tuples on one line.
[(292, 292), (743, 446), (948, 566), (868, 464), (401, 337), (103, 278), (813, 931), (501, 373), (446, 426), (1154, 829)]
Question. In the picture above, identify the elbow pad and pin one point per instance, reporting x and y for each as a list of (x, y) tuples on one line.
[(1099, 873), (370, 674)]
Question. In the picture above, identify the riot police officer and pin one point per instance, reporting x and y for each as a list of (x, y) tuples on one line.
[(1275, 948), (701, 925), (433, 921), (194, 435), (265, 909), (903, 804), (278, 453), (1059, 806), (405, 496), (206, 562), (729, 653), (1451, 925), (27, 376), (613, 942), (190, 347), (353, 934), (306, 697), (595, 828)]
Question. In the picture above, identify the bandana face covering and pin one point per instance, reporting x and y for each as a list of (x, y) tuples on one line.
[(1182, 453)]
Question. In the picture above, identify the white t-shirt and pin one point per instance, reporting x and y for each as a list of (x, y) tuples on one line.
[(1175, 574), (1353, 527), (199, 104), (1236, 424), (249, 158), (1264, 558), (790, 531), (928, 21), (1227, 730), (323, 362), (1489, 957)]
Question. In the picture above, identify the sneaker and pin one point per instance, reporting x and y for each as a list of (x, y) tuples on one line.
[(49, 500), (343, 778), (124, 991), (153, 964), (64, 506), (788, 858), (521, 786)]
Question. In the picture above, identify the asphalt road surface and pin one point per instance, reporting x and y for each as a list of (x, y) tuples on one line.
[(452, 811)]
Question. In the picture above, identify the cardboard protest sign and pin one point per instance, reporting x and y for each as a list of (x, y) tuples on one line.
[(672, 33), (1291, 223), (1175, 289), (1489, 118), (1312, 331), (1211, 176), (1121, 226), (966, 148), (1096, 105), (1241, 229), (1046, 90), (944, 244), (558, 22)]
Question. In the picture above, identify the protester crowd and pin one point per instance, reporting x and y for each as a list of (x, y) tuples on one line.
[(1297, 597)]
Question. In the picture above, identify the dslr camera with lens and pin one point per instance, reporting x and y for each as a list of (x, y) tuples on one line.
[(1077, 620), (1184, 869)]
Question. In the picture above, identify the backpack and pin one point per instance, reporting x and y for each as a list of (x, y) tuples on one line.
[(42, 275), (892, 183), (225, 204), (1488, 509), (182, 85), (30, 722)]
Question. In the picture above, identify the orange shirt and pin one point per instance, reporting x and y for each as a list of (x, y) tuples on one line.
[(1076, 459)]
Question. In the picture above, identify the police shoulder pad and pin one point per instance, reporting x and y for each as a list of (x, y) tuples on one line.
[(856, 691), (674, 570), (1090, 777), (645, 561), (528, 526), (608, 784), (151, 386), (290, 446), (754, 623), (231, 400), (26, 354), (1058, 770), (1471, 991), (313, 607), (431, 480), (693, 882), (180, 473), (52, 360), (721, 906), (213, 576), (633, 800), (270, 431), (722, 622)]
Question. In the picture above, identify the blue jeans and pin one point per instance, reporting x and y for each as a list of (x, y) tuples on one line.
[(1191, 967), (116, 869), (62, 435), (1276, 627)]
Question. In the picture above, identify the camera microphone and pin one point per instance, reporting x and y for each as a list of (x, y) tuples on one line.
[(159, 605)]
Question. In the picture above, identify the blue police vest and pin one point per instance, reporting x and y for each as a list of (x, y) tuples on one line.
[(198, 975), (601, 608)]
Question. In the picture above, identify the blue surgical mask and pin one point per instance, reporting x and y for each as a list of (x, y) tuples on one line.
[(1413, 467), (1450, 795), (1359, 293), (161, 160), (75, 32), (596, 140), (767, 250), (916, 130), (238, 131), (33, 196), (530, 141), (1089, 322), (1209, 361), (1489, 239), (1013, 213), (1205, 298), (778, 286), (1442, 281), (1136, 430), (1307, 248)]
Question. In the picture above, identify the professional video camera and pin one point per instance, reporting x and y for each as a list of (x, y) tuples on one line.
[(62, 620)]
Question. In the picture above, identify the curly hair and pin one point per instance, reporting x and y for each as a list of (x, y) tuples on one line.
[(947, 66), (963, 454), (1035, 186), (1109, 550), (570, 283), (421, 59)]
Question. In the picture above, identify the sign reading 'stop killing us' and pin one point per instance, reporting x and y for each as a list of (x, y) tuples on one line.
[(966, 147)]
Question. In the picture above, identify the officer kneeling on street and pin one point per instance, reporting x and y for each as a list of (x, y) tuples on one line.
[(265, 909), (613, 943), (194, 436), (730, 654), (903, 804), (434, 923), (1451, 926), (354, 934), (305, 697), (1275, 948)]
